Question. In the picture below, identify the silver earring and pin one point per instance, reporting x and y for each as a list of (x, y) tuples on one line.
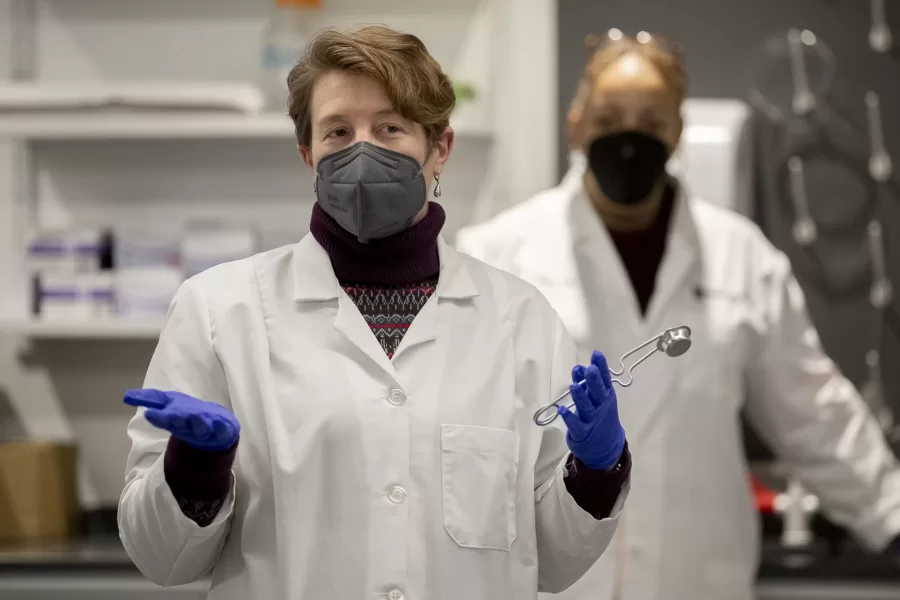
[(316, 184), (437, 187)]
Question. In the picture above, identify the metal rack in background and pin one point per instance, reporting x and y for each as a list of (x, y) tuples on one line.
[(804, 110), (811, 130)]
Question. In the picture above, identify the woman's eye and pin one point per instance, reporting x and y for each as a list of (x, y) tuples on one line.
[(393, 129)]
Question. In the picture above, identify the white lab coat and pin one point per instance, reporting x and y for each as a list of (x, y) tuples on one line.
[(421, 477), (690, 531)]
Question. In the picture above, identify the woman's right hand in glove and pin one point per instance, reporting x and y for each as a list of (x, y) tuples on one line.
[(200, 424)]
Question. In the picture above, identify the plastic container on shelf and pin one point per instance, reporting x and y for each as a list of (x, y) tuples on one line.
[(145, 292), (98, 294), (210, 244), (66, 251), (48, 252), (289, 29), (147, 246), (61, 297), (86, 248)]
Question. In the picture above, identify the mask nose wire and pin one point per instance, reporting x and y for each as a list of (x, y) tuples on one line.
[(418, 172)]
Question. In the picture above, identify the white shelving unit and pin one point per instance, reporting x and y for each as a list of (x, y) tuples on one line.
[(101, 329), (100, 167), (102, 125)]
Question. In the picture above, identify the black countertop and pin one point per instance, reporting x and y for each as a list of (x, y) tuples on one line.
[(96, 553), (835, 557), (96, 548), (821, 563)]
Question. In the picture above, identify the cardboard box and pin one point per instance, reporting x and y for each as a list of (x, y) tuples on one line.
[(38, 490)]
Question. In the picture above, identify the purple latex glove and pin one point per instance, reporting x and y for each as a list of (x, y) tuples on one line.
[(202, 425), (595, 436)]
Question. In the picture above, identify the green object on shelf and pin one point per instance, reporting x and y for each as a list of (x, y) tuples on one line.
[(465, 92)]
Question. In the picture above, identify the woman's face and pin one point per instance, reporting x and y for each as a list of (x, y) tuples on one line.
[(347, 108), (629, 95)]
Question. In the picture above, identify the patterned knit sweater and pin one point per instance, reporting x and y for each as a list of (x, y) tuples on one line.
[(389, 280), (389, 310)]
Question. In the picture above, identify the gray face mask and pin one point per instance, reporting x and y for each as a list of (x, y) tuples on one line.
[(372, 192)]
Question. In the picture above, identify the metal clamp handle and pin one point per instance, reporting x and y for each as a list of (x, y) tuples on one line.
[(881, 292), (803, 101), (673, 342), (880, 165), (881, 39), (804, 231)]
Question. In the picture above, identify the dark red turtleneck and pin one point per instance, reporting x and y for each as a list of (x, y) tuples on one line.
[(400, 259), (390, 280), (642, 251)]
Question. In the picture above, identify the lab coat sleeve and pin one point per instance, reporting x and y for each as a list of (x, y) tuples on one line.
[(813, 418), (168, 547), (469, 242), (569, 540), (489, 243)]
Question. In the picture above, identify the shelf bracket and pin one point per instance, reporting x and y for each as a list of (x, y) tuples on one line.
[(22, 40), (39, 409), (34, 400)]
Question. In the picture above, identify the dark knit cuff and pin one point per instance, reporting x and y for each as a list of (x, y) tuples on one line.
[(200, 480), (597, 492)]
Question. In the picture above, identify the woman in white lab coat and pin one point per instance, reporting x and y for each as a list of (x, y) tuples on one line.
[(381, 384), (622, 254)]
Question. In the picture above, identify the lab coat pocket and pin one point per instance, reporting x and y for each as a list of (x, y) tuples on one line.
[(479, 471)]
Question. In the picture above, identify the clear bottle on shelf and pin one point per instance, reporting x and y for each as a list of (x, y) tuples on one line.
[(290, 28)]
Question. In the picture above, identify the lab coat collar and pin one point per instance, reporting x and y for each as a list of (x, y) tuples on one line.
[(587, 226), (455, 281), (591, 238), (314, 277)]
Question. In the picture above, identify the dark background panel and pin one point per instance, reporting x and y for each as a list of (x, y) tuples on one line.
[(723, 42)]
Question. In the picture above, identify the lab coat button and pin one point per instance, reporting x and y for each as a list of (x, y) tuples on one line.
[(396, 595), (396, 397), (397, 495)]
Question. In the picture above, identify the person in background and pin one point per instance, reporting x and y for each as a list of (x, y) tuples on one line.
[(622, 253), (381, 384)]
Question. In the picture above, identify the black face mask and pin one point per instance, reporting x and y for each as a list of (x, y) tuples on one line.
[(627, 165)]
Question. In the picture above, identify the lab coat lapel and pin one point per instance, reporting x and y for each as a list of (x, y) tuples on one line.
[(314, 280), (615, 314), (454, 283), (680, 258), (549, 263), (576, 266), (598, 255), (655, 378)]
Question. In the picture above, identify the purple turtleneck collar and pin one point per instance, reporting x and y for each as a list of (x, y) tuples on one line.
[(406, 257)]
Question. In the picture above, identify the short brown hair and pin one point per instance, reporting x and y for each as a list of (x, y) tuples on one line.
[(417, 86), (666, 57)]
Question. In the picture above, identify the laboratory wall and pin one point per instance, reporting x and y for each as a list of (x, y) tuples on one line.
[(724, 44), (64, 172)]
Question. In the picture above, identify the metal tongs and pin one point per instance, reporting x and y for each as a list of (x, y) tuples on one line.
[(671, 342)]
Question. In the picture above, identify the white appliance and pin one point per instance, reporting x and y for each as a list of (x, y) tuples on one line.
[(715, 156)]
